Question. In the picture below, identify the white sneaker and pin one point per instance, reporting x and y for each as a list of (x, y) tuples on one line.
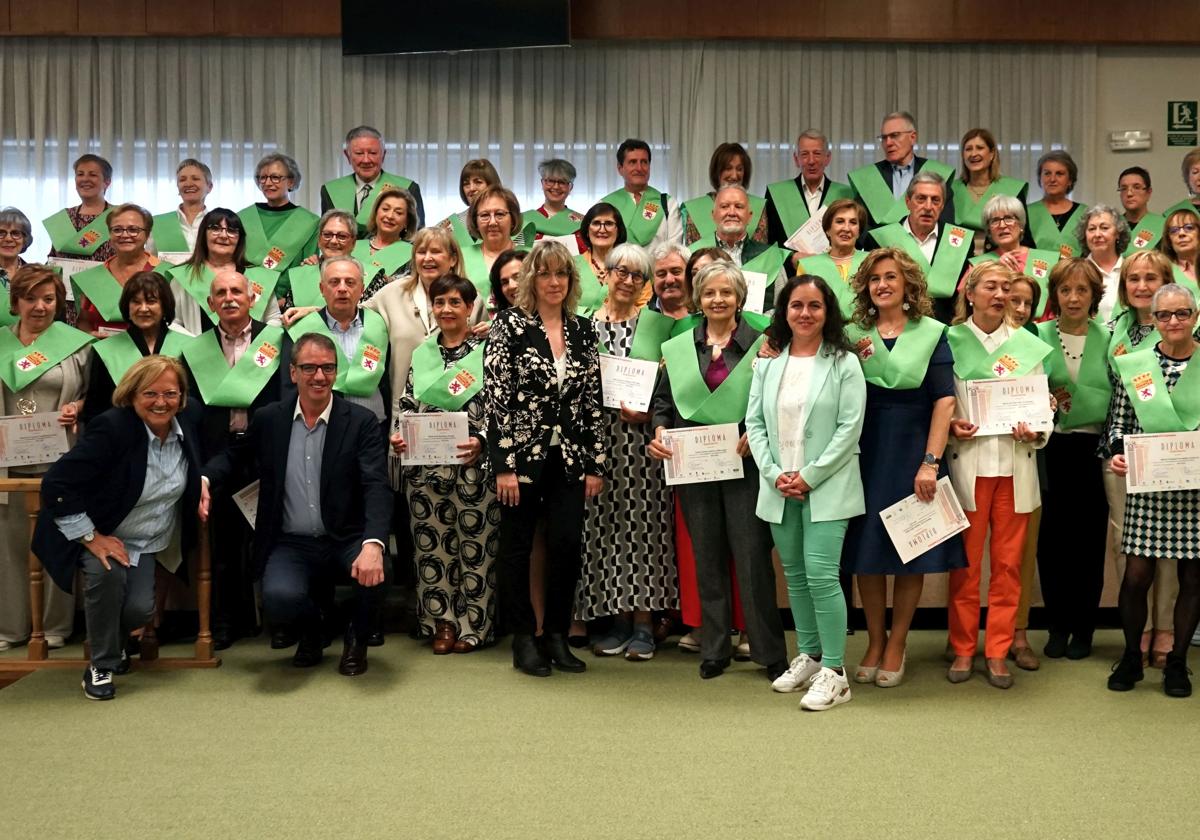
[(5, 645), (56, 642), (798, 675), (689, 642), (828, 689)]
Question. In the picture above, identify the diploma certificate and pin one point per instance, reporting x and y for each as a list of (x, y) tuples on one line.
[(702, 453), (175, 257), (756, 290), (810, 237), (627, 380), (246, 500), (569, 242), (1164, 461), (69, 268), (432, 438), (997, 405), (916, 526), (28, 439)]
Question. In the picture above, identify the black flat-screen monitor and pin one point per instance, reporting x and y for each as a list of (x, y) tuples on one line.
[(382, 27)]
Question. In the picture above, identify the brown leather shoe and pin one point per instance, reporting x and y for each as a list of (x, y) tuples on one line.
[(464, 646), (444, 639), (1025, 658), (354, 660)]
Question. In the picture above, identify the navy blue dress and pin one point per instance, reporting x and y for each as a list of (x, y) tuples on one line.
[(893, 441)]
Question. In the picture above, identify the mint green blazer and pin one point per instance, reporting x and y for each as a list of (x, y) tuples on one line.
[(835, 408)]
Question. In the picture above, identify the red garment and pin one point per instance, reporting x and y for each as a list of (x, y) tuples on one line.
[(689, 594)]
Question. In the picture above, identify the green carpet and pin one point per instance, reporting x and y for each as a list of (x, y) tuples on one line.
[(465, 747)]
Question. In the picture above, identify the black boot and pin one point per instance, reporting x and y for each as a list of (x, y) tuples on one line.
[(559, 652), (1175, 676), (527, 655), (1127, 672)]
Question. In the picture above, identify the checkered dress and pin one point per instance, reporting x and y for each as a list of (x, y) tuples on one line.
[(1161, 525)]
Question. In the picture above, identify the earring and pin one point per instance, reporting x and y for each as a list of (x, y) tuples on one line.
[(870, 310), (905, 306)]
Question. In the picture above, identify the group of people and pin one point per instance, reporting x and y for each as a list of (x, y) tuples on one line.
[(259, 366)]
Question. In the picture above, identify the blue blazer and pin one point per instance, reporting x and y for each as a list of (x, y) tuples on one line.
[(834, 413)]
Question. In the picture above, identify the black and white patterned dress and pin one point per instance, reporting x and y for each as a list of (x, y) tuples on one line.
[(1162, 525), (628, 536)]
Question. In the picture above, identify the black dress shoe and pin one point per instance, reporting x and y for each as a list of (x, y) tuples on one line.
[(282, 639), (1127, 672), (308, 651), (123, 666), (375, 639), (354, 659), (559, 653), (223, 640), (1079, 647), (1056, 646), (577, 641), (1175, 677), (777, 669), (528, 656), (710, 668)]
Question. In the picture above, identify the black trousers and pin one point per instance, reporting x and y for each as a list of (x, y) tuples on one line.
[(1071, 541), (233, 608), (560, 501)]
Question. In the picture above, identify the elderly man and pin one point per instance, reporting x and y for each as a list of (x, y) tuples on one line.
[(323, 501), (791, 203), (881, 186), (940, 249), (651, 217), (731, 217), (233, 370), (361, 337), (356, 193)]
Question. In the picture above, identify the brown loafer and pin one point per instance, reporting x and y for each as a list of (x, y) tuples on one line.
[(464, 646), (1025, 658), (354, 660), (443, 641)]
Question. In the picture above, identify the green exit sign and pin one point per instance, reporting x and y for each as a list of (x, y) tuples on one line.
[(1181, 122)]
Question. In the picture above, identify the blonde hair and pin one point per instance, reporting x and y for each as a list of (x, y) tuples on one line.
[(916, 290), (145, 371), (976, 274), (445, 238), (547, 255)]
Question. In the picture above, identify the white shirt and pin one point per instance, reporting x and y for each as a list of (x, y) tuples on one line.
[(560, 373), (928, 245), (995, 451), (791, 406), (813, 199), (1108, 300)]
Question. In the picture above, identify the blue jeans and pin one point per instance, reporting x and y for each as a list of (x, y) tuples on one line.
[(293, 565), (115, 602)]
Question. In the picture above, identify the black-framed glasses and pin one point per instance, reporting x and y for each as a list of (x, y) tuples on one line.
[(219, 229), (271, 179), (624, 273), (132, 230), (311, 369), (18, 235), (556, 182), (603, 224), (330, 236), (1164, 316), (1003, 221)]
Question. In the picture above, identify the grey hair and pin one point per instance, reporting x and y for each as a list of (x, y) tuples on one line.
[(362, 131), (900, 115), (1004, 205), (736, 188), (1119, 222), (203, 167), (325, 266), (1173, 289), (557, 166), (924, 177), (13, 216), (345, 217), (813, 134), (719, 268), (289, 163), (631, 254), (663, 250)]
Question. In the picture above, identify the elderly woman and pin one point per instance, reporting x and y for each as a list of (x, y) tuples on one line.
[(55, 384), (706, 381), (476, 176), (1159, 526), (148, 306), (601, 230), (546, 443), (222, 247), (1071, 561), (1190, 170), (980, 180), (80, 232), (910, 400), (388, 246), (995, 477), (843, 222), (98, 289), (1004, 218), (503, 278), (455, 515), (1054, 220), (629, 552), (111, 506), (1105, 236), (1145, 228), (335, 238), (1181, 245), (279, 234), (175, 233), (493, 220), (729, 164), (16, 235), (554, 218)]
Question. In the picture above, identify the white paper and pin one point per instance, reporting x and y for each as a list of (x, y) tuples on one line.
[(28, 439), (756, 290), (1163, 461), (175, 257), (246, 500), (432, 438), (702, 453), (571, 243), (627, 380), (810, 237), (71, 267), (915, 526), (997, 405)]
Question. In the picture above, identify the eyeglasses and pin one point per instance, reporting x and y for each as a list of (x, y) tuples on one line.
[(1188, 228), (894, 136), (498, 215), (330, 236), (556, 182), (271, 179), (1003, 221), (1131, 188), (624, 273), (154, 396), (1164, 316), (311, 370), (127, 231), (18, 235), (217, 230), (602, 224)]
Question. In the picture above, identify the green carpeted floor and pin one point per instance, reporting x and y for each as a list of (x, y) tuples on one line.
[(465, 747)]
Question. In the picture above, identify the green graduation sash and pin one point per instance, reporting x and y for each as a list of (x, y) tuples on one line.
[(459, 227), (237, 386), (1046, 234), (168, 234), (1186, 204), (387, 260), (562, 223), (694, 401), (643, 219), (791, 206), (287, 245), (1146, 233), (23, 364), (262, 283), (1037, 267), (700, 209), (653, 328), (447, 388), (99, 286), (343, 192), (357, 377), (79, 243), (824, 267), (592, 293), (968, 211), (119, 353), (904, 366), (875, 193), (1081, 401), (1120, 343), (476, 269), (1015, 357), (305, 283), (1157, 409), (953, 245)]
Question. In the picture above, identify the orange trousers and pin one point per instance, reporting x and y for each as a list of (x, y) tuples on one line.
[(994, 506)]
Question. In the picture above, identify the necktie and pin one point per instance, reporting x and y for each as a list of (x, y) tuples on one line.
[(362, 196)]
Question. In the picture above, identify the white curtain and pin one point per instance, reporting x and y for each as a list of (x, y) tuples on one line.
[(147, 103)]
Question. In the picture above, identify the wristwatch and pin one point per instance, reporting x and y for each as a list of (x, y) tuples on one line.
[(931, 459), (88, 537)]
